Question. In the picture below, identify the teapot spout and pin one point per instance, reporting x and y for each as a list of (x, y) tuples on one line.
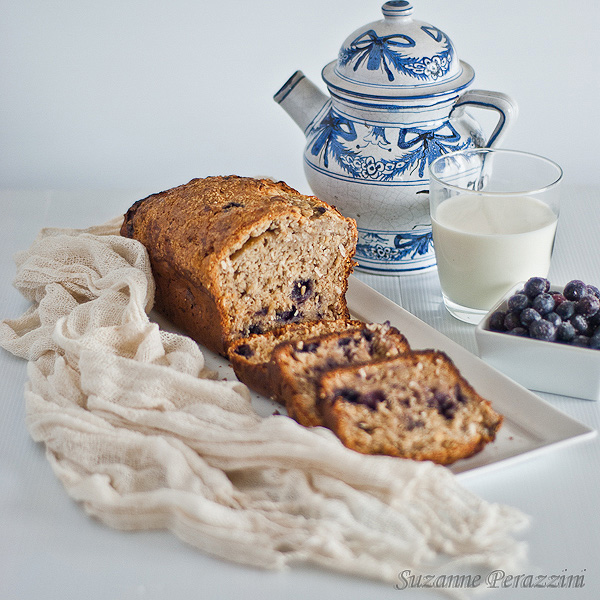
[(301, 99)]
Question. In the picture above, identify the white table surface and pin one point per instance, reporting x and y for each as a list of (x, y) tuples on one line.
[(50, 549)]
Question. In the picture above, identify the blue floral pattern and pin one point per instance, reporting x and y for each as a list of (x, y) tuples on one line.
[(329, 135), (394, 248), (384, 52), (335, 138)]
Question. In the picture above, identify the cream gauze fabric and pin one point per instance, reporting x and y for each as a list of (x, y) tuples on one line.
[(143, 436)]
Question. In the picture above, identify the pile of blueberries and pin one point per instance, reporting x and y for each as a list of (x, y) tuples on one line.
[(569, 317)]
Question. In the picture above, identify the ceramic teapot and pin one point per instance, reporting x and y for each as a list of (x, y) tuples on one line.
[(396, 102)]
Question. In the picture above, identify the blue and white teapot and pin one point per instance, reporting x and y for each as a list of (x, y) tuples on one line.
[(396, 102)]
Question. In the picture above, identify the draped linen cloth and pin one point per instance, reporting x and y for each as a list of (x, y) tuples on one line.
[(142, 434)]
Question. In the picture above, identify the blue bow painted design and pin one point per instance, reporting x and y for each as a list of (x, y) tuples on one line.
[(384, 53), (426, 145), (378, 51)]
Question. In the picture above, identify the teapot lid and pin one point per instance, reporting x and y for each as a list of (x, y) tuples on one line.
[(397, 57)]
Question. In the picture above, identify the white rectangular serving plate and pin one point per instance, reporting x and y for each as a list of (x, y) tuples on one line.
[(531, 426)]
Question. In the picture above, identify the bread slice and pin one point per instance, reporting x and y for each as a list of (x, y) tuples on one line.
[(295, 367), (250, 356), (416, 405), (232, 256)]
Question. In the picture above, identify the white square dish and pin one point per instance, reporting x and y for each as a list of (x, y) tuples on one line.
[(539, 365)]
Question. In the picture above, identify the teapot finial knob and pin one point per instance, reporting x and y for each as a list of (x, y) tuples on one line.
[(397, 9)]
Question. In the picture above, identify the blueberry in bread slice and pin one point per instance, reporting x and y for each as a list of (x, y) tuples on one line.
[(250, 356), (416, 405), (232, 256), (295, 367)]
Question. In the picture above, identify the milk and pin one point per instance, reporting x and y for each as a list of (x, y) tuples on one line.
[(485, 244)]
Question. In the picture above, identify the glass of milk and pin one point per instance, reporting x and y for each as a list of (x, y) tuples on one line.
[(494, 214)]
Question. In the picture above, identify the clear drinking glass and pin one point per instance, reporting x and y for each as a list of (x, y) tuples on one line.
[(494, 215)]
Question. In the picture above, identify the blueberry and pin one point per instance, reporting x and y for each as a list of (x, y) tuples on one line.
[(244, 350), (310, 347), (444, 404), (348, 394), (302, 290), (575, 289), (232, 205), (594, 320), (543, 303), (587, 306), (287, 316), (580, 323), (519, 331), (368, 335), (592, 290), (344, 341), (595, 341), (496, 322), (518, 302), (369, 399), (565, 310), (536, 285), (528, 316), (460, 395), (581, 340), (553, 318), (565, 332), (542, 330), (372, 399), (255, 328), (412, 424), (511, 321), (558, 298)]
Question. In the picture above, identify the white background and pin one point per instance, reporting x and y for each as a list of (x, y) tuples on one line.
[(148, 94)]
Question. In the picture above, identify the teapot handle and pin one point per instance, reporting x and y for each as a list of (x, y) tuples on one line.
[(503, 104)]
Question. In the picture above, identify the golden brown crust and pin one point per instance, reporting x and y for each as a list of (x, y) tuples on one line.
[(189, 306), (192, 225)]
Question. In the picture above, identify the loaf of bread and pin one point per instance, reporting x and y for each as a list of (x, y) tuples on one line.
[(295, 367), (416, 405), (232, 256), (250, 356)]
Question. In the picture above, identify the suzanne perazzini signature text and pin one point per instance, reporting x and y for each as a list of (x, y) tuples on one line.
[(494, 579)]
